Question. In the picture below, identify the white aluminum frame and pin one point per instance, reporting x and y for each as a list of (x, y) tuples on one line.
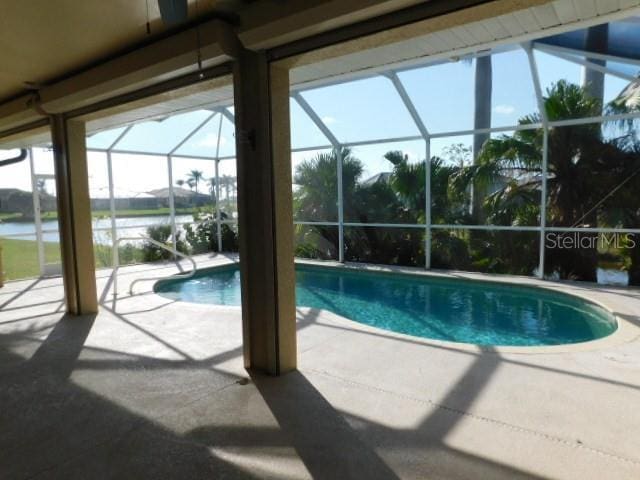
[(333, 142), (170, 156), (545, 125)]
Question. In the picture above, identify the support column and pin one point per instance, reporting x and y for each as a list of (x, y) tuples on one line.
[(172, 206), (74, 215), (115, 254), (265, 214)]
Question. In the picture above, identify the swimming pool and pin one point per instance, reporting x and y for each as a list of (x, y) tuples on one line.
[(481, 313)]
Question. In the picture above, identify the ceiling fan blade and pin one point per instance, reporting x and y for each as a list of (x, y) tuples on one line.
[(173, 11)]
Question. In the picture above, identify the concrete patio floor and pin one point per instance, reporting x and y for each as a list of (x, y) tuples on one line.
[(152, 388)]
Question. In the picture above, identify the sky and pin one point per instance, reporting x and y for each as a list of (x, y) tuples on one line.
[(357, 111)]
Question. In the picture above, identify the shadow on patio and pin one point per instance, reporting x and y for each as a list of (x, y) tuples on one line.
[(72, 411)]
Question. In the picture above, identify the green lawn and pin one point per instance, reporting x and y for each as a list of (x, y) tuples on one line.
[(20, 257)]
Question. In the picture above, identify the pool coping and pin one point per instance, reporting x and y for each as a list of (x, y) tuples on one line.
[(626, 331)]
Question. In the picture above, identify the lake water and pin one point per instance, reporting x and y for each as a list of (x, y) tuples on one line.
[(128, 227), (135, 226)]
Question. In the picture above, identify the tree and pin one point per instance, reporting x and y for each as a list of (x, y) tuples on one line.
[(408, 183), (482, 119), (458, 153), (583, 169), (392, 197), (316, 181), (180, 183), (194, 177), (597, 40), (202, 235), (228, 182), (315, 199), (162, 234)]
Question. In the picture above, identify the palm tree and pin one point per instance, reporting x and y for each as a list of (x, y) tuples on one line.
[(315, 199), (597, 40), (583, 169), (228, 183), (316, 181), (408, 182), (225, 185), (483, 88), (194, 177), (628, 100), (372, 200)]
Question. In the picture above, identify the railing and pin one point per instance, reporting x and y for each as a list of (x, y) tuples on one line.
[(158, 244)]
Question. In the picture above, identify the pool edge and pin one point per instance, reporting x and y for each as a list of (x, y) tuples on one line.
[(625, 331)]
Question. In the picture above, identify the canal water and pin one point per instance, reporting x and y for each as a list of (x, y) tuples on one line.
[(128, 226)]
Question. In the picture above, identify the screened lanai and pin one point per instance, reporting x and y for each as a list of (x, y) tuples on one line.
[(516, 136), (328, 240), (494, 196), (153, 163)]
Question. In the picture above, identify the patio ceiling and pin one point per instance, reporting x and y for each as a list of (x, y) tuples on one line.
[(466, 40), (43, 42), (39, 39), (453, 36)]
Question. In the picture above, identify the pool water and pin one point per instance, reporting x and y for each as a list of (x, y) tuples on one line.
[(480, 313)]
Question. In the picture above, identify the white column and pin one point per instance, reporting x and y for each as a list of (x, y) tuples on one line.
[(172, 207), (115, 257), (36, 213), (218, 216), (340, 205), (545, 153), (427, 202)]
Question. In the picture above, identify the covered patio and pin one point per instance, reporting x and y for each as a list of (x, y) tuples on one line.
[(150, 387), (456, 143)]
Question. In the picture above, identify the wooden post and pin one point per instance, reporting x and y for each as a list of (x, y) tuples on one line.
[(74, 215), (265, 213)]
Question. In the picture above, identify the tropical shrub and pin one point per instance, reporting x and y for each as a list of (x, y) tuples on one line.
[(202, 236), (162, 234)]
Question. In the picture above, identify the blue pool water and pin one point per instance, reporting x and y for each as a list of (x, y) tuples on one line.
[(481, 313)]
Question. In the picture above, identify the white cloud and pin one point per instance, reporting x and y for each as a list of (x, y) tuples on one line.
[(211, 140), (328, 120), (504, 109)]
